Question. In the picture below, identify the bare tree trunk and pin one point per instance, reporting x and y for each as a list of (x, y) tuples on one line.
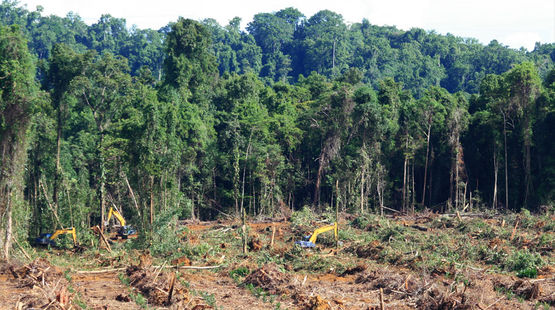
[(405, 178), (151, 201), (58, 150), (317, 187), (244, 172), (527, 172), (506, 165), (8, 239), (102, 183), (431, 177), (244, 231), (451, 200), (457, 180), (495, 173), (379, 188), (362, 189), (413, 190), (236, 170), (426, 165)]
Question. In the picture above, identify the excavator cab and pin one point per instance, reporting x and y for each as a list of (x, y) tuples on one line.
[(49, 239), (310, 241)]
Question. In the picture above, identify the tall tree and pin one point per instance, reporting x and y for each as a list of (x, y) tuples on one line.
[(101, 88), (64, 66), (524, 88), (18, 94), (432, 112)]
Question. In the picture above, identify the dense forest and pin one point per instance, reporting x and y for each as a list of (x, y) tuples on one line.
[(198, 120)]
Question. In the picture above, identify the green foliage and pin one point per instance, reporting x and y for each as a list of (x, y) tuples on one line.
[(524, 263), (209, 299), (295, 113), (239, 273), (303, 217), (165, 232)]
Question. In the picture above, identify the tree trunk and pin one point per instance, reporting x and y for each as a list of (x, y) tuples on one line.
[(317, 187), (102, 185), (58, 150), (506, 165), (8, 239), (244, 172), (527, 175), (431, 176), (404, 202), (426, 165), (451, 200), (151, 201), (362, 190), (495, 173), (457, 180), (413, 190)]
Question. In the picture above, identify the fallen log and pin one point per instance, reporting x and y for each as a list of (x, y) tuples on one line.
[(161, 267)]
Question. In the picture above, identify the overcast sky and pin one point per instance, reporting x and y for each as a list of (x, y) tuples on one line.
[(515, 23)]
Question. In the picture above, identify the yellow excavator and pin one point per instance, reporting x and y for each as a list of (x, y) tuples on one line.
[(48, 239), (310, 241), (123, 231)]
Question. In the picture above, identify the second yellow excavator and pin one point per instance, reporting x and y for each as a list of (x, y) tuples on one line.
[(310, 241), (123, 231), (48, 239)]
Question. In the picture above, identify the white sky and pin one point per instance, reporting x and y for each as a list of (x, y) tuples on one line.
[(514, 23)]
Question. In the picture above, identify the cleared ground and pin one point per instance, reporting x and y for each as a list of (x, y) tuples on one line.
[(428, 261)]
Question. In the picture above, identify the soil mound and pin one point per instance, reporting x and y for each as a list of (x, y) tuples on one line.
[(401, 285), (158, 288), (313, 303), (371, 250), (270, 279)]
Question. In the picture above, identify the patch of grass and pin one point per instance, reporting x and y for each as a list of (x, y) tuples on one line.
[(265, 296), (209, 299), (124, 279), (80, 303), (139, 299), (542, 305), (239, 273)]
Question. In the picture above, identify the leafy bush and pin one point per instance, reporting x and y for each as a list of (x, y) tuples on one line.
[(392, 232), (524, 263), (238, 273), (165, 234), (303, 216), (361, 222)]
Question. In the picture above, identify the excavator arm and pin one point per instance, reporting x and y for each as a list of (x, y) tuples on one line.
[(323, 230), (65, 231), (117, 215), (312, 239), (48, 239), (123, 230)]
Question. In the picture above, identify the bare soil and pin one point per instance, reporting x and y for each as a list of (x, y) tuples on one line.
[(117, 284)]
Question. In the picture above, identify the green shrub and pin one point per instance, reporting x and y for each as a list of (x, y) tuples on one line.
[(524, 263), (392, 232), (303, 217), (361, 222), (239, 273)]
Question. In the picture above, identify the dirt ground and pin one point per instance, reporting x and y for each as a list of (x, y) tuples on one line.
[(365, 284)]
